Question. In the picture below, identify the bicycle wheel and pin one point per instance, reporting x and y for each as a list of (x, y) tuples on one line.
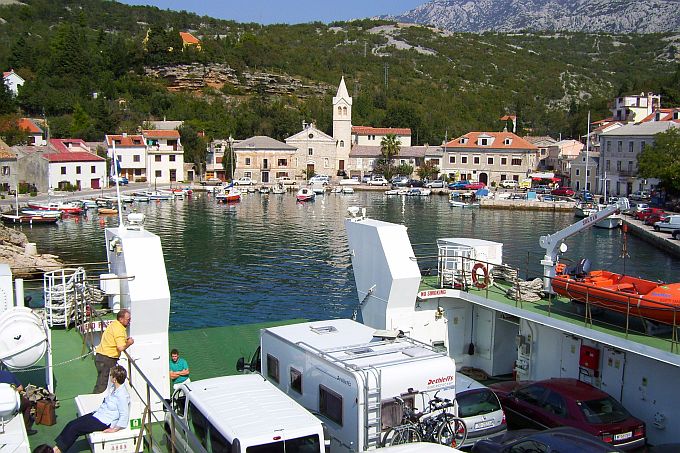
[(452, 432), (401, 435)]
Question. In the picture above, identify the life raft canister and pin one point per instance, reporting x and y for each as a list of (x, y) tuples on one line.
[(481, 284)]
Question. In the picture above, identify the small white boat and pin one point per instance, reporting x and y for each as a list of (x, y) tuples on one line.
[(462, 204), (336, 189), (582, 210), (609, 223), (264, 190), (278, 189), (392, 192), (418, 192), (229, 195), (347, 190), (88, 204), (305, 194), (155, 195), (140, 198), (39, 213)]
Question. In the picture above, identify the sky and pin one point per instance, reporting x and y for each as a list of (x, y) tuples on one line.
[(284, 11)]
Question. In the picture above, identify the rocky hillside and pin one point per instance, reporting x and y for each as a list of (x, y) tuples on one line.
[(21, 257), (611, 16)]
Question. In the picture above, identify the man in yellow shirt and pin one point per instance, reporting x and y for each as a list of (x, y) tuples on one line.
[(114, 341)]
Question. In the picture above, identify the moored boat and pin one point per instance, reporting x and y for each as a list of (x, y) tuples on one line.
[(305, 194), (36, 212), (347, 190), (621, 293), (463, 204), (66, 208), (229, 195), (29, 219)]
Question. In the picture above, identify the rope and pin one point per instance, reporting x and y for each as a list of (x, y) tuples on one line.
[(504, 272), (57, 364), (528, 291)]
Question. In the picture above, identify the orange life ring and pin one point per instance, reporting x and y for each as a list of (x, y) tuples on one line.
[(475, 276)]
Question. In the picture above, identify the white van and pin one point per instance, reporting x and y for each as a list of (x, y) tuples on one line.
[(509, 184), (243, 413), (670, 224)]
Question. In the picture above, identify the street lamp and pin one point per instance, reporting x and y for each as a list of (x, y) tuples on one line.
[(231, 157)]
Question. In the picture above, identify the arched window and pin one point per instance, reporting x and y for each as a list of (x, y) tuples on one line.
[(344, 111), (342, 143), (339, 110)]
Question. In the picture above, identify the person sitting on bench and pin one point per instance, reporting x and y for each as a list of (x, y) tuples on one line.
[(111, 416)]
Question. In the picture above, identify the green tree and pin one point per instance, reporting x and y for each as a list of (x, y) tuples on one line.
[(228, 161), (7, 104), (428, 170), (389, 148), (82, 125), (662, 160), (10, 131), (404, 169), (194, 144)]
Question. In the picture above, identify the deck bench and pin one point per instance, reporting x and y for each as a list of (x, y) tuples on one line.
[(122, 441)]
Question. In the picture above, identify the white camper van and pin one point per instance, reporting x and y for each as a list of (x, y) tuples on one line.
[(240, 414), (349, 375)]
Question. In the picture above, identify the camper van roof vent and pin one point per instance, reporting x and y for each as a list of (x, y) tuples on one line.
[(386, 334), (360, 351), (322, 330), (417, 352)]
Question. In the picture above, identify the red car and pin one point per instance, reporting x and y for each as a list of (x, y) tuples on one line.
[(570, 402), (642, 215), (563, 192), (653, 218), (475, 186)]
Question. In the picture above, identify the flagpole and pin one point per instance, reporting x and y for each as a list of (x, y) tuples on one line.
[(114, 168)]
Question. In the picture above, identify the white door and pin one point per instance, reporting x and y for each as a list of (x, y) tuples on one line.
[(613, 364), (569, 367), (458, 346)]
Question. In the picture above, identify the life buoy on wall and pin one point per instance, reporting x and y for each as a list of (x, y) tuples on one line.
[(481, 284)]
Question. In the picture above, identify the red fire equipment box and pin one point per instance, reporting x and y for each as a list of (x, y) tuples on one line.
[(590, 358)]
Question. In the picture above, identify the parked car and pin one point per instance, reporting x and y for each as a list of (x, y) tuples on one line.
[(121, 180), (285, 180), (415, 183), (676, 234), (400, 181), (563, 440), (639, 195), (669, 224), (509, 184), (563, 192), (378, 182), (653, 218), (642, 215), (475, 186), (585, 196), (459, 185), (569, 402), (211, 182), (436, 184), (323, 180), (480, 408), (244, 181), (637, 207)]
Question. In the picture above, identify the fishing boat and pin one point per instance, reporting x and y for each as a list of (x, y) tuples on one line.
[(229, 195), (30, 219), (66, 208), (305, 194), (140, 198), (621, 293)]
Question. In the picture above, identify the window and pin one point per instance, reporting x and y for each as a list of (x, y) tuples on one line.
[(630, 165), (217, 442), (532, 394), (342, 143), (630, 147), (642, 145), (78, 169), (578, 172), (504, 161), (618, 165), (5, 170), (609, 145), (555, 404), (247, 174), (475, 160), (247, 160), (516, 161), (463, 159), (171, 157), (489, 160), (326, 162), (310, 151), (452, 159), (619, 146), (63, 170), (330, 404), (588, 173), (273, 368), (159, 173), (197, 423), (282, 162), (136, 158), (483, 141), (296, 380), (158, 158), (93, 169), (606, 165), (463, 140), (138, 172), (507, 141)]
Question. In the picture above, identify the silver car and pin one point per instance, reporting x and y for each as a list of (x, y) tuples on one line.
[(480, 408)]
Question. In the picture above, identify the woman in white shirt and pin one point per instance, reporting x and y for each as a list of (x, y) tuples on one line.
[(111, 416)]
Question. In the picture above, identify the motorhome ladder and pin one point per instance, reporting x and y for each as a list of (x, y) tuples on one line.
[(373, 407)]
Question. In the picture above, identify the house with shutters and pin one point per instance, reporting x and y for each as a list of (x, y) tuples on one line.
[(36, 135), (489, 157), (263, 159), (164, 157), (130, 154)]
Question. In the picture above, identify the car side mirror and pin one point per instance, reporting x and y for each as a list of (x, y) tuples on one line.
[(241, 365)]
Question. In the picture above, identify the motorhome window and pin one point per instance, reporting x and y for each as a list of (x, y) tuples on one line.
[(391, 412), (330, 404), (296, 380), (218, 444), (305, 444), (197, 423), (324, 329), (273, 368)]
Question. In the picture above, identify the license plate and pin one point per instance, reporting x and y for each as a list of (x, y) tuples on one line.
[(623, 436), (482, 425)]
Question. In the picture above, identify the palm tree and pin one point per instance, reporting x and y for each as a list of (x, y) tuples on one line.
[(389, 147)]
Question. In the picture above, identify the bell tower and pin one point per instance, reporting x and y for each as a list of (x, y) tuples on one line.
[(342, 125)]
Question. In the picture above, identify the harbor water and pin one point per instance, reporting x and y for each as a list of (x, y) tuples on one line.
[(270, 258)]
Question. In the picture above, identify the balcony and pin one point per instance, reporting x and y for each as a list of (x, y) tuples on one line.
[(628, 173)]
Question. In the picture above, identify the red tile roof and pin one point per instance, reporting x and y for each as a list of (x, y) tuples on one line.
[(68, 145), (664, 115), (159, 133), (516, 142), (188, 38), (125, 141), (29, 125), (367, 130), (73, 157)]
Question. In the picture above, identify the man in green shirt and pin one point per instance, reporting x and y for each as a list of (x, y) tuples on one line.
[(179, 368)]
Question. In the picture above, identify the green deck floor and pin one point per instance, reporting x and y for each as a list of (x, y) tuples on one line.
[(210, 352)]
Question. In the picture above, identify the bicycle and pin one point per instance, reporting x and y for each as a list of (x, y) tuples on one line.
[(443, 428)]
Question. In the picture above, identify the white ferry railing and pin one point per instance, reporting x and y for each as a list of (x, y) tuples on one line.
[(552, 302)]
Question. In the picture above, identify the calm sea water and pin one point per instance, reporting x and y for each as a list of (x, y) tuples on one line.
[(270, 258)]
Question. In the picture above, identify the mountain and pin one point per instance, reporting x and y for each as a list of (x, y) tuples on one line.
[(591, 16)]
